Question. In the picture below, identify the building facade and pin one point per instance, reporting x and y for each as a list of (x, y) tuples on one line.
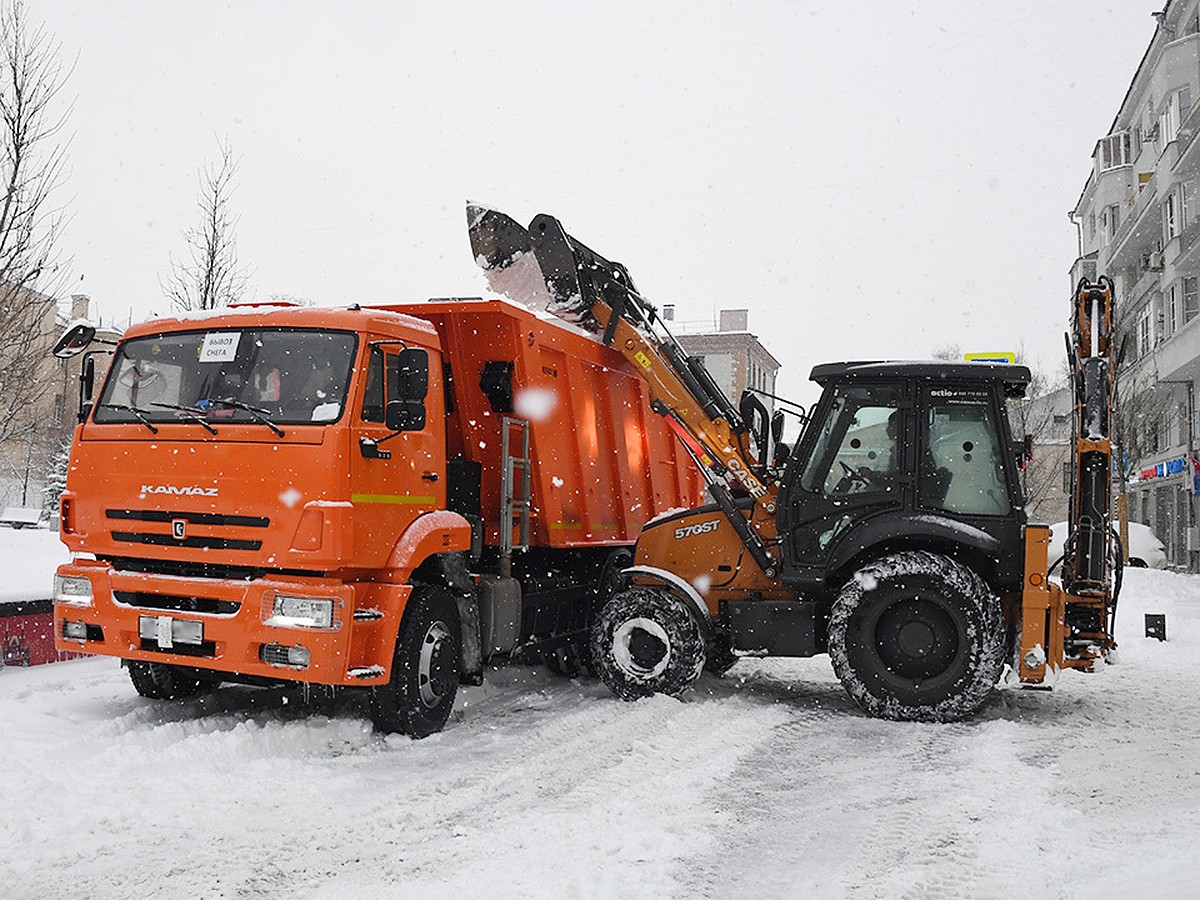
[(736, 358), (1139, 223)]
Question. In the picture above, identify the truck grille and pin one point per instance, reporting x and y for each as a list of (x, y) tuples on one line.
[(213, 542), (143, 600), (196, 518), (166, 540)]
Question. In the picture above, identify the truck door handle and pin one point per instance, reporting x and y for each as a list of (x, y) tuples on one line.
[(430, 476)]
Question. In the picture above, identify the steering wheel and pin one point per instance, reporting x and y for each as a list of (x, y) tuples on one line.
[(849, 478)]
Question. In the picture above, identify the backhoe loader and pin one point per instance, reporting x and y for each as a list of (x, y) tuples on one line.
[(893, 536)]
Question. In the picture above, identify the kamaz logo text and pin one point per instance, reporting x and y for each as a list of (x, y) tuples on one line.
[(186, 490)]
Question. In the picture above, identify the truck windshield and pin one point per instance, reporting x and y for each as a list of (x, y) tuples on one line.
[(286, 376)]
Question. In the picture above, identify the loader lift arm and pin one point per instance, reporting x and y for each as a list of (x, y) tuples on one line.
[(599, 295)]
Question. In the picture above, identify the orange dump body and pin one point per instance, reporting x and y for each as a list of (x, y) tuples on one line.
[(602, 462), (201, 540)]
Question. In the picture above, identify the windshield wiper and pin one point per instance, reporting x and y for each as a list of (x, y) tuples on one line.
[(260, 415), (139, 413), (197, 416)]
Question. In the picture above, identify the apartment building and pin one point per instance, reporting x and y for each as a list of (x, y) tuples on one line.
[(736, 358), (1139, 222)]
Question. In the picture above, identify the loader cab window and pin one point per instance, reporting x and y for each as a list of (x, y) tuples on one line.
[(858, 447), (962, 467)]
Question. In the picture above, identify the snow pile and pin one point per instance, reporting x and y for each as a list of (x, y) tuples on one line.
[(31, 555)]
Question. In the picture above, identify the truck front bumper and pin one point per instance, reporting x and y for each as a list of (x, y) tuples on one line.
[(315, 630)]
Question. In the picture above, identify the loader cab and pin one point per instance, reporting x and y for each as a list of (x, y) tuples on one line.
[(915, 455)]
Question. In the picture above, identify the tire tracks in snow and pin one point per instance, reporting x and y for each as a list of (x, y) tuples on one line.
[(537, 787)]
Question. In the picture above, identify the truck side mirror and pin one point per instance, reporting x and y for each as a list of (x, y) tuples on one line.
[(74, 340), (407, 385)]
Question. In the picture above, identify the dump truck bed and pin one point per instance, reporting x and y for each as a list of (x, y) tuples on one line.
[(601, 461)]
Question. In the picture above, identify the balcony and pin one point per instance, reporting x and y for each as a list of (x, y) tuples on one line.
[(1140, 227)]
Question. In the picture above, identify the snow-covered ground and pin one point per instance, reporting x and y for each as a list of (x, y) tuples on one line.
[(766, 783)]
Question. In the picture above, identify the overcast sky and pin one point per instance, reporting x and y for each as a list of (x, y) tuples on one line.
[(872, 180)]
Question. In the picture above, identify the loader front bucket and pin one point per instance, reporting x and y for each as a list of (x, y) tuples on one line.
[(536, 267), (502, 249), (496, 239)]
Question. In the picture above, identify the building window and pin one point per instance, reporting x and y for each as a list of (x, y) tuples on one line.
[(1191, 298), (1143, 343), (1114, 151), (1114, 220), (1174, 113), (1171, 311), (1170, 217), (1187, 200)]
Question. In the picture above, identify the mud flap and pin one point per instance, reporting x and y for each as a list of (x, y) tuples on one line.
[(458, 581)]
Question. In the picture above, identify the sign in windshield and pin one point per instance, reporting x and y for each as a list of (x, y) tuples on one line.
[(270, 376)]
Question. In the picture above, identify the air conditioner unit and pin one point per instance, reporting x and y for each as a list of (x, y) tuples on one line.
[(1154, 262)]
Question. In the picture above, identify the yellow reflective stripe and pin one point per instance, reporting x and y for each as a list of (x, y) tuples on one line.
[(390, 498)]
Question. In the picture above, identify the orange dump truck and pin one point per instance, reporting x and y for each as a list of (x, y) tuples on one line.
[(382, 497)]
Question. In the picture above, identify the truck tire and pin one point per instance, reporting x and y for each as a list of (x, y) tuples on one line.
[(720, 657), (420, 693), (161, 681), (916, 636), (646, 642)]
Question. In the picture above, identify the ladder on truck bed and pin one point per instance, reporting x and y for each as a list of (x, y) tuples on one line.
[(515, 499)]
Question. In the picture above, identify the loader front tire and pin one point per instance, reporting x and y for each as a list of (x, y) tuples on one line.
[(419, 695), (645, 642), (161, 681), (917, 636)]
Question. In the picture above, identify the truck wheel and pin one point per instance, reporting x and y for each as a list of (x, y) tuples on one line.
[(918, 637), (420, 693), (646, 642), (720, 657), (567, 660), (161, 681)]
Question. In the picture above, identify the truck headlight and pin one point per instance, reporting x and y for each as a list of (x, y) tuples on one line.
[(305, 612), (73, 589)]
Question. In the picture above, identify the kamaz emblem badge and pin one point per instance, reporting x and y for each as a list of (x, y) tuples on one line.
[(179, 529)]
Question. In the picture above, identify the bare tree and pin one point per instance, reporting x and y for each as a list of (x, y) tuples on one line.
[(32, 163), (211, 276)]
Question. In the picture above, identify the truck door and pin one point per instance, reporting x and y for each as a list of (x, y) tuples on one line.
[(855, 467), (397, 472)]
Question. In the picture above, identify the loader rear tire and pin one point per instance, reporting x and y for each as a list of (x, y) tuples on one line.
[(162, 681), (917, 636), (419, 695), (647, 642)]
